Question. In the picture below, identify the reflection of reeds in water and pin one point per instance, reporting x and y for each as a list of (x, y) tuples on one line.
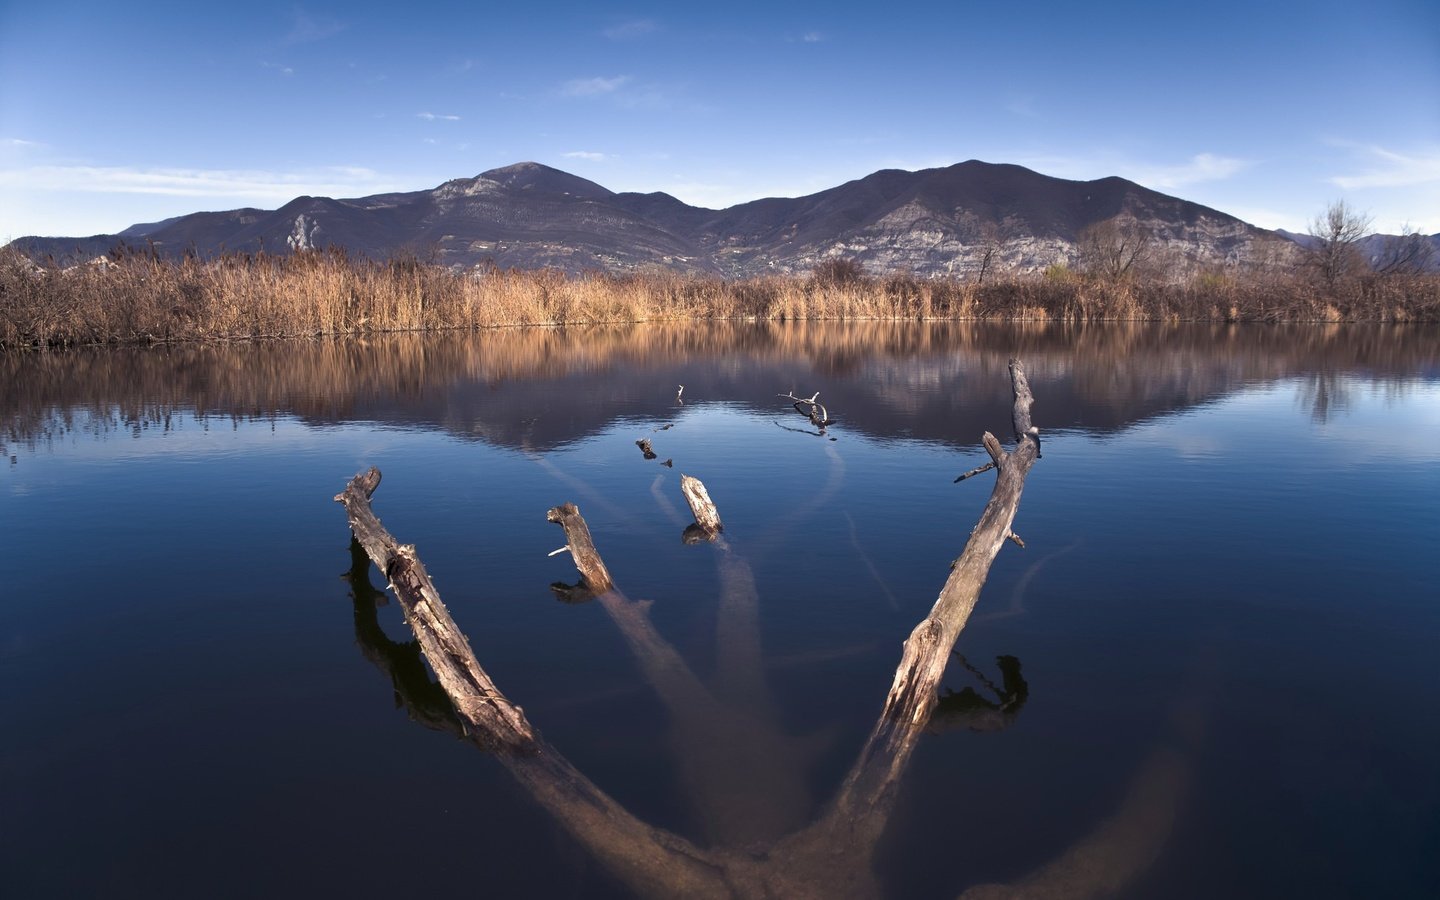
[(331, 378), (139, 297)]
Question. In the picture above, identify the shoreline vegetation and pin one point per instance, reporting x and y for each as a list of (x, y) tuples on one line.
[(138, 297)]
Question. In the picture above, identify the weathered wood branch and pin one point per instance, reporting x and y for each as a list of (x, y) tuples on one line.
[(582, 547), (701, 506), (926, 652), (475, 696), (856, 818), (978, 470), (815, 411)]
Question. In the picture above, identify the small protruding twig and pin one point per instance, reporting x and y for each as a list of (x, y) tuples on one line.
[(1012, 536), (678, 393), (975, 471)]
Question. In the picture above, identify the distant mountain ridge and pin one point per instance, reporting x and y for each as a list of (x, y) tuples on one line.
[(930, 222)]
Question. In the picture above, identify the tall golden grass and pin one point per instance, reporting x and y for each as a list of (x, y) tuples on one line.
[(142, 298)]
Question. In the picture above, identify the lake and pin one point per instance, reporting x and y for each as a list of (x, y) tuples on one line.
[(1210, 671)]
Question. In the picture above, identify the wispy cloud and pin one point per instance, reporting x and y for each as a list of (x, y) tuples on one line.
[(461, 67), (239, 184), (434, 117), (1201, 167), (624, 92), (1266, 217), (1022, 105), (1389, 169), (278, 67), (19, 143), (306, 28), (812, 37), (593, 87), (733, 188), (628, 31), (587, 155)]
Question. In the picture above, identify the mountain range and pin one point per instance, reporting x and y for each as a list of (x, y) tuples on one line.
[(930, 222)]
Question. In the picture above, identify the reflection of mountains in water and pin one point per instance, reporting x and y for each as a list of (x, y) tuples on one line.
[(539, 388)]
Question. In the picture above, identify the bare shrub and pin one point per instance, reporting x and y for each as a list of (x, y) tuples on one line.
[(1114, 248), (838, 272)]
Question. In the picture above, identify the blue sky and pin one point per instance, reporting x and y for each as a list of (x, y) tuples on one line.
[(113, 114)]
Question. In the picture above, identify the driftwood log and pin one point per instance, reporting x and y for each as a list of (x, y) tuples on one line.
[(475, 696), (833, 856)]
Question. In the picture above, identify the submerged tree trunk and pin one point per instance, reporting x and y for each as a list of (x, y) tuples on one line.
[(830, 857)]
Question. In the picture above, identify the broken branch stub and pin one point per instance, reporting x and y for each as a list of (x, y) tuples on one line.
[(701, 506), (582, 547)]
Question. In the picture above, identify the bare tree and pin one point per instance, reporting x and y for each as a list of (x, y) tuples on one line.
[(1113, 248), (1406, 253), (993, 236), (1334, 250)]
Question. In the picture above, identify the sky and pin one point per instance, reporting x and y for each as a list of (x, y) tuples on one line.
[(114, 114)]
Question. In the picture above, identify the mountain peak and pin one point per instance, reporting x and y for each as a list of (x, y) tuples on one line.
[(533, 176)]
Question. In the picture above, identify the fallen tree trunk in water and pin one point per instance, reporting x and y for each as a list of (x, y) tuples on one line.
[(475, 696), (912, 695), (830, 857)]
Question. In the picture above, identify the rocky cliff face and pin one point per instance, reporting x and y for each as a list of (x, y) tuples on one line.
[(935, 222)]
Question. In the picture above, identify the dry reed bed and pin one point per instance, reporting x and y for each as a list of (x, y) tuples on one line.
[(140, 298)]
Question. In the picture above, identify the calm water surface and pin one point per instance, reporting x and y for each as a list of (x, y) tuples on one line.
[(1211, 671)]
